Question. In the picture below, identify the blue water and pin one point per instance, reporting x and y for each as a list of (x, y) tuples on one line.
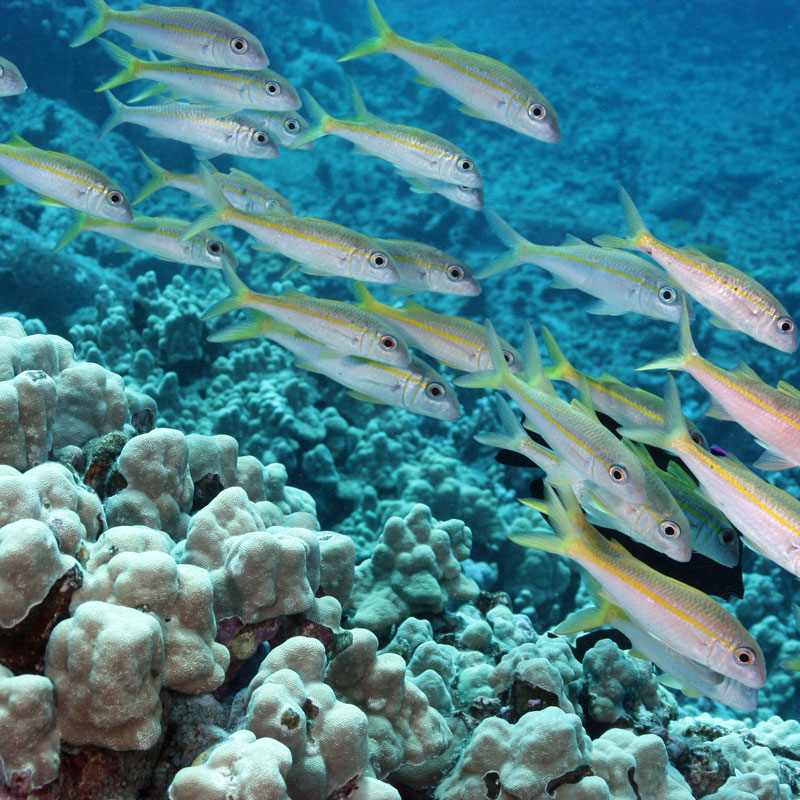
[(691, 106)]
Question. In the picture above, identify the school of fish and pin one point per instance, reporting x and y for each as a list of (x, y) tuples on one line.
[(215, 92)]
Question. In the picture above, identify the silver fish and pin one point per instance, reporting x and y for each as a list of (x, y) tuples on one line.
[(190, 33), (11, 80), (209, 130)]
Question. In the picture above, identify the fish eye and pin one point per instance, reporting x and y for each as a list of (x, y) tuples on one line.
[(666, 294), (785, 325), (537, 111), (465, 164), (388, 343), (697, 438), (727, 536), (291, 125), (618, 473), (670, 528), (744, 656), (239, 45), (115, 198), (261, 137), (435, 391), (215, 248), (270, 203), (455, 273), (508, 357), (272, 88), (379, 260)]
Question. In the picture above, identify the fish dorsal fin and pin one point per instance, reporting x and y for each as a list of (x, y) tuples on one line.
[(413, 305), (695, 252), (17, 141), (574, 241), (770, 460), (744, 371), (640, 451), (240, 172), (584, 409), (290, 291), (787, 388), (440, 41), (680, 474)]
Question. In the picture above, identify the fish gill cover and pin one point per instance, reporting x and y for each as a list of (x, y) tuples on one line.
[(259, 529)]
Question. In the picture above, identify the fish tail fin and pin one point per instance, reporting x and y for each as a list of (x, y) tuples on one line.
[(513, 434), (562, 369), (636, 227), (686, 348), (558, 515), (78, 224), (222, 209), (256, 325), (585, 620), (240, 293), (491, 378), (366, 299), (128, 62), (517, 244), (95, 26), (375, 44), (320, 116), (156, 182), (117, 117), (674, 433)]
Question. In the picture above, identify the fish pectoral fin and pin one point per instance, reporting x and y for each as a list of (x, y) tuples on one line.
[(48, 201), (787, 388), (716, 411), (770, 460), (367, 398), (203, 154), (311, 269), (423, 81), (260, 246), (718, 322), (473, 112), (358, 150), (123, 248), (605, 309), (561, 283), (332, 352), (5, 180)]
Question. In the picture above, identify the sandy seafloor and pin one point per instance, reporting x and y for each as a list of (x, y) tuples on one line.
[(691, 105)]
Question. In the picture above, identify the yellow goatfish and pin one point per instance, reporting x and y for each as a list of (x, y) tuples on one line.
[(345, 329), (191, 33), (768, 517), (418, 388), (771, 415), (63, 179), (411, 150), (488, 88), (627, 405), (691, 678), (571, 429), (734, 299), (457, 342), (681, 616)]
